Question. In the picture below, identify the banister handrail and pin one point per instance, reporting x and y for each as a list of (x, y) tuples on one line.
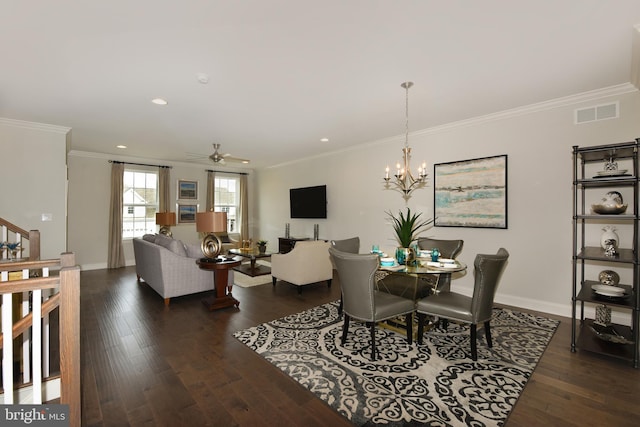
[(13, 227), (28, 264)]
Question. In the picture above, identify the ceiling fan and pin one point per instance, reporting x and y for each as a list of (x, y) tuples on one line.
[(216, 157)]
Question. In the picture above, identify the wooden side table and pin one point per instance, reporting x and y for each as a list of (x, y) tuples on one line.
[(220, 268)]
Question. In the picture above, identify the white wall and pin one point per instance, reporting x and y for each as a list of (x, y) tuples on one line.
[(33, 180), (538, 141), (89, 187)]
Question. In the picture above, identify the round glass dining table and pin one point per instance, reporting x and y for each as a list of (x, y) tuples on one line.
[(415, 281)]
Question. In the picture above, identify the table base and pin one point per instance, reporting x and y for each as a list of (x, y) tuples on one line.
[(398, 324), (253, 271), (215, 303)]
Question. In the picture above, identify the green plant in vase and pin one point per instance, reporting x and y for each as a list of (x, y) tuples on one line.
[(407, 227), (262, 246)]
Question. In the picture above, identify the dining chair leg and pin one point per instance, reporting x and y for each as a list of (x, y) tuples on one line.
[(474, 349), (340, 306), (373, 341), (487, 333), (421, 319), (345, 329), (444, 323), (409, 321)]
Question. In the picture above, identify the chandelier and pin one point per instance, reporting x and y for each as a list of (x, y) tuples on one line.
[(403, 178)]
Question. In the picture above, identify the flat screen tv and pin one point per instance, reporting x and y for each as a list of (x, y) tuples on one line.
[(308, 202)]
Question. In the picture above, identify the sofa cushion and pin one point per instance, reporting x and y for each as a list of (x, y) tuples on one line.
[(173, 245)]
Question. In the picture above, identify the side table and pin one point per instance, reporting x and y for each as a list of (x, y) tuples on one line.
[(220, 268)]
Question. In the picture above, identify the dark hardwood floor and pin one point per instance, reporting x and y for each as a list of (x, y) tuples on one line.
[(147, 364)]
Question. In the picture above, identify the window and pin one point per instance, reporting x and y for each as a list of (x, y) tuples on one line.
[(140, 200), (227, 199)]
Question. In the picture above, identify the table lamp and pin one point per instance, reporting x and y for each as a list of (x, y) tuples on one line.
[(210, 223), (165, 220)]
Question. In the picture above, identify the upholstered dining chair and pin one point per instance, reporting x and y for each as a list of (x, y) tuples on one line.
[(472, 310), (361, 300), (350, 245), (419, 287), (448, 249)]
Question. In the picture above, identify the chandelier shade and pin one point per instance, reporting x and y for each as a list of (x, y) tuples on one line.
[(403, 180)]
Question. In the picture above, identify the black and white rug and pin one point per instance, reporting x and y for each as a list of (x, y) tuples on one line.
[(435, 384)]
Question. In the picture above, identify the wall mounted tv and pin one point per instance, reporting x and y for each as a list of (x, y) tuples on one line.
[(308, 202)]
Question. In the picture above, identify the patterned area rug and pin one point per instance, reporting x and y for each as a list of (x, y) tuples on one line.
[(435, 384)]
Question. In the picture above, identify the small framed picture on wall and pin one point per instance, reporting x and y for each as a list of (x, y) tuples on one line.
[(187, 213), (187, 190)]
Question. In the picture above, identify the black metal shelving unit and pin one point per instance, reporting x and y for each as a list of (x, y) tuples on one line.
[(586, 190)]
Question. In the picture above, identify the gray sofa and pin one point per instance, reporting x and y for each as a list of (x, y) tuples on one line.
[(169, 266)]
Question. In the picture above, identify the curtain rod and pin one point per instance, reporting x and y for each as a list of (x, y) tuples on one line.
[(140, 164), (235, 173)]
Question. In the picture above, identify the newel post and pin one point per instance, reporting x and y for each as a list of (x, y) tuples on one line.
[(70, 393)]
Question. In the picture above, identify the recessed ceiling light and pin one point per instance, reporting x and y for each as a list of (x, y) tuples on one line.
[(324, 140), (159, 101), (121, 146), (202, 78)]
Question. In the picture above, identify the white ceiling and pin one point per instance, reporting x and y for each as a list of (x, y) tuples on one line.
[(285, 73)]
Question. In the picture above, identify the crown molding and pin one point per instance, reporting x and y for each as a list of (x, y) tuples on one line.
[(132, 159), (590, 96), (35, 126)]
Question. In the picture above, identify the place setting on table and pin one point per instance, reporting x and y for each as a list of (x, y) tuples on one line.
[(425, 261)]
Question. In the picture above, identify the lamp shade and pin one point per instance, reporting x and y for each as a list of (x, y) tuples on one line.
[(211, 222), (166, 218)]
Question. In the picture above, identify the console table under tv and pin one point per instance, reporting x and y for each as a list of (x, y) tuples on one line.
[(285, 244)]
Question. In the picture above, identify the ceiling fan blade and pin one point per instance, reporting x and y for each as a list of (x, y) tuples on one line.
[(230, 158)]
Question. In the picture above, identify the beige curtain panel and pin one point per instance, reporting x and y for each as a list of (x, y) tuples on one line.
[(116, 251), (164, 189)]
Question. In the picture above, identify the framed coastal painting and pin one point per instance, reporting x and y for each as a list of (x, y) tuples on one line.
[(187, 190), (187, 213), (471, 193)]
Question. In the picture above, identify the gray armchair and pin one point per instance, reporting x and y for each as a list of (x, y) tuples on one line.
[(473, 310), (356, 273), (350, 245)]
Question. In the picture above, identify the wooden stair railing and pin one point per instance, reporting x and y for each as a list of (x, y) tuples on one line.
[(66, 285), (30, 276), (7, 230)]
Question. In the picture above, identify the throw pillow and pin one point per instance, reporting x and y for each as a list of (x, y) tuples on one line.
[(193, 250), (149, 238), (173, 245)]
